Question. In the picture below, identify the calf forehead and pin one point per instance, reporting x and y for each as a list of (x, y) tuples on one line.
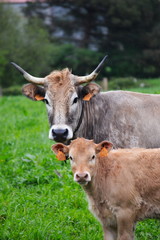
[(82, 147)]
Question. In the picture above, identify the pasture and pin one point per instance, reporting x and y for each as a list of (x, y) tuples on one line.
[(38, 198)]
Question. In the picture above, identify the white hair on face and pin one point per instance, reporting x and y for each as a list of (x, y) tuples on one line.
[(59, 115), (61, 126), (73, 105), (48, 106)]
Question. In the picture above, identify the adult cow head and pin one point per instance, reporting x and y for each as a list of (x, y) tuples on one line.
[(63, 95)]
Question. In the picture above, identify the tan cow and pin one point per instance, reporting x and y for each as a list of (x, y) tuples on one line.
[(122, 186)]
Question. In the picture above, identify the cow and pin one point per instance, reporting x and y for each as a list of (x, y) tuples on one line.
[(122, 185), (77, 108)]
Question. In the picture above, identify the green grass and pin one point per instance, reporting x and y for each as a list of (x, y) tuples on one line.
[(136, 85), (150, 86), (35, 202)]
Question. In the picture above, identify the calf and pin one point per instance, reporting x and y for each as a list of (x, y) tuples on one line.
[(122, 186)]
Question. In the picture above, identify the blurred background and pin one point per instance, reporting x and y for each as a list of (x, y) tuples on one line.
[(42, 36)]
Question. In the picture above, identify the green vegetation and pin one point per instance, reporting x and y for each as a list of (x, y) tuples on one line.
[(127, 30), (130, 84), (57, 34), (136, 85), (38, 198), (23, 42)]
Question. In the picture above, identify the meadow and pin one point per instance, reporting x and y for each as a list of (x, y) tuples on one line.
[(38, 197)]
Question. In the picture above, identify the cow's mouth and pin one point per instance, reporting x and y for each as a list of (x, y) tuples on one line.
[(60, 139)]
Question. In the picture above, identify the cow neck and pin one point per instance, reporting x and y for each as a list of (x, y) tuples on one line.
[(80, 119)]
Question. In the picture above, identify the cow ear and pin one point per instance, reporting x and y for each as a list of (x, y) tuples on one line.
[(103, 148), (90, 90), (61, 151), (33, 92)]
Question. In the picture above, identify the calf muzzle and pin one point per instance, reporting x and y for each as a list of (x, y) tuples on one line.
[(82, 178)]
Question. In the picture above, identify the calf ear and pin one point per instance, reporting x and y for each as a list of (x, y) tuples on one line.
[(90, 90), (33, 92), (103, 148), (61, 151)]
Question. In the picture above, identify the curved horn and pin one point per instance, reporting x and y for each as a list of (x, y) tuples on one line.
[(29, 77), (93, 75)]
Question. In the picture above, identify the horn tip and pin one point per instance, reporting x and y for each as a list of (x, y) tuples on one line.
[(99, 67), (14, 64), (105, 57), (18, 68)]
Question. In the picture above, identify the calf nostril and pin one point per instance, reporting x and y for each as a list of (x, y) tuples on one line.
[(81, 176), (77, 176), (86, 176)]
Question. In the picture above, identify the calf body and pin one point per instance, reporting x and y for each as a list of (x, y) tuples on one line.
[(122, 186)]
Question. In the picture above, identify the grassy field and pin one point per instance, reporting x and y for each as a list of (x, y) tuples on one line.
[(38, 198), (136, 85)]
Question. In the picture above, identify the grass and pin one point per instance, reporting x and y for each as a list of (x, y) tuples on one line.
[(38, 198), (136, 85)]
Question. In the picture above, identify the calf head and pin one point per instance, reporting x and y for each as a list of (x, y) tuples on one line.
[(83, 155), (63, 96)]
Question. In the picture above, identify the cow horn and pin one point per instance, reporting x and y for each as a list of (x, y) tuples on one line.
[(29, 77), (93, 75)]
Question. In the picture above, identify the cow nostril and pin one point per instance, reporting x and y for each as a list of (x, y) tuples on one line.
[(53, 133), (66, 132)]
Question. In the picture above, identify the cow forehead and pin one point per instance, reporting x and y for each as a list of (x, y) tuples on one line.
[(60, 83), (81, 146), (60, 78)]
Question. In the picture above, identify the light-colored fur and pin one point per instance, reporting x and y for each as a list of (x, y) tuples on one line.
[(124, 186), (125, 118)]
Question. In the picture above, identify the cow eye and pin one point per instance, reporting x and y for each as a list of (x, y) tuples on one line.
[(93, 157), (45, 101), (75, 100), (70, 158)]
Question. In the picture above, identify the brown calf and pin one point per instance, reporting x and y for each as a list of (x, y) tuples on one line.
[(122, 186)]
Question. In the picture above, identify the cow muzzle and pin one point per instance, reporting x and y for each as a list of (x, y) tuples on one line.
[(60, 133), (82, 177)]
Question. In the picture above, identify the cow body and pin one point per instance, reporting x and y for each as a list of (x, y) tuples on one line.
[(125, 118), (122, 186)]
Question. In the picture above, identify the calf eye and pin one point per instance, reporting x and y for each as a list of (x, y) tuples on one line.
[(70, 158), (93, 157), (45, 101), (75, 100)]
